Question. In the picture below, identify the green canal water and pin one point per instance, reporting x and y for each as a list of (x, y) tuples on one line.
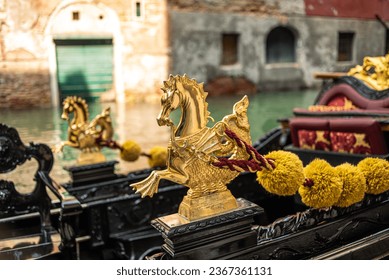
[(138, 123)]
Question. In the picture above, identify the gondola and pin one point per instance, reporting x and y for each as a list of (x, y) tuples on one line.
[(98, 215), (347, 124)]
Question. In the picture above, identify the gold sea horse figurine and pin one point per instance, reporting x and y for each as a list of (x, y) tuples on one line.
[(194, 147), (87, 136)]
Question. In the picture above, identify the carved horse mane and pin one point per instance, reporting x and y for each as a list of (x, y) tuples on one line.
[(190, 96), (78, 106)]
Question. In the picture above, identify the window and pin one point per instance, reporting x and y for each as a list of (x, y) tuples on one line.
[(280, 46), (345, 46), (138, 9), (230, 49), (76, 15)]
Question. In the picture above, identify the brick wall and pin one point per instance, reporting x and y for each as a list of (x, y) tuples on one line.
[(24, 73), (24, 85)]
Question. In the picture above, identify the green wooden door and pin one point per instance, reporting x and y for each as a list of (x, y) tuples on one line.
[(84, 67)]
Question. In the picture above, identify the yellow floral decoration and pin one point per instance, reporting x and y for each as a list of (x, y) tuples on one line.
[(353, 187), (130, 151), (326, 188), (286, 177), (376, 171)]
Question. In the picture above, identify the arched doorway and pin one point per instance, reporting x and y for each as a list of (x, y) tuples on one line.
[(84, 51), (280, 46), (84, 66)]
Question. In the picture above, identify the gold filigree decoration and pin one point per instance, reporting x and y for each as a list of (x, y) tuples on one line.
[(374, 72), (348, 105), (194, 148)]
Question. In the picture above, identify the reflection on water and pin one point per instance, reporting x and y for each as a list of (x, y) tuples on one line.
[(138, 122)]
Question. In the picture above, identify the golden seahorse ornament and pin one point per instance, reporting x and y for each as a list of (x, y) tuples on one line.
[(88, 137), (194, 148)]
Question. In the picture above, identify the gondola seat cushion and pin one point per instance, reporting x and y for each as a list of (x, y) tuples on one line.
[(310, 133), (357, 136), (338, 92), (350, 135), (344, 100)]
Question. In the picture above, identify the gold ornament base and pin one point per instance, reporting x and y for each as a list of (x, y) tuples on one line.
[(90, 158), (206, 206), (210, 238)]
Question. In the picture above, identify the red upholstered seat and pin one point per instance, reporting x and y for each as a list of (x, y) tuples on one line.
[(351, 135), (310, 133), (357, 135), (345, 90), (343, 100), (345, 118), (339, 113)]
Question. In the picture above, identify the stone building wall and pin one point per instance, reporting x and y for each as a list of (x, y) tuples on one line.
[(197, 27), (28, 28), (175, 36)]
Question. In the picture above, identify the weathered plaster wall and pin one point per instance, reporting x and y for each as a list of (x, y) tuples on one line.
[(24, 74), (28, 27), (148, 39), (196, 41), (321, 41), (247, 7)]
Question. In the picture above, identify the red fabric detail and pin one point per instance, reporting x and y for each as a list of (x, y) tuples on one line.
[(247, 165), (355, 97), (316, 140), (347, 142), (349, 135), (308, 183), (362, 150), (337, 101), (367, 132), (254, 155), (300, 112), (307, 137), (255, 163), (342, 141), (348, 116), (307, 125)]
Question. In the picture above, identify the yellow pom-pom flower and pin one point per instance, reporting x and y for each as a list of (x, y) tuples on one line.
[(158, 157), (287, 175), (376, 171), (130, 151), (354, 185), (326, 188)]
